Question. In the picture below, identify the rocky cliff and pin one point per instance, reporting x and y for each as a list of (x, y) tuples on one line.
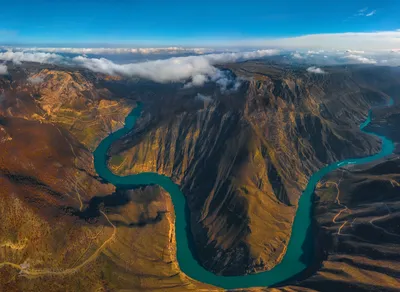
[(242, 164)]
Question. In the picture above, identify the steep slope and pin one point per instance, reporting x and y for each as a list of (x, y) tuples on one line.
[(242, 160), (356, 223), (63, 228), (67, 98), (356, 217), (255, 156)]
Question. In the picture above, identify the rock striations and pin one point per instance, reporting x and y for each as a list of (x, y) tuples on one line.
[(242, 159)]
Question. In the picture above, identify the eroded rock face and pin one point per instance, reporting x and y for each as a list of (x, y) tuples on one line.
[(243, 165)]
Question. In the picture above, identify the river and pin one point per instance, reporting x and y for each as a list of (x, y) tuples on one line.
[(299, 251)]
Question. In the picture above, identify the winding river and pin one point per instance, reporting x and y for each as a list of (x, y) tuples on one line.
[(295, 259)]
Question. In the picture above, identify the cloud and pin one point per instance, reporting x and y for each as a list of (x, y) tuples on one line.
[(179, 69), (360, 59), (226, 81), (371, 13), (355, 52), (296, 55), (203, 97), (383, 40), (116, 51), (195, 70), (3, 69), (311, 52), (197, 80), (363, 12), (315, 70), (348, 56), (18, 57), (35, 80)]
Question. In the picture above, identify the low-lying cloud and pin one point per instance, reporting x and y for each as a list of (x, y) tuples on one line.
[(35, 80), (195, 70), (360, 59), (347, 56), (355, 52), (3, 69), (203, 97), (315, 70), (38, 57), (105, 51), (296, 55)]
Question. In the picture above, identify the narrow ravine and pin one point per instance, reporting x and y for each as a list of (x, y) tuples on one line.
[(298, 250)]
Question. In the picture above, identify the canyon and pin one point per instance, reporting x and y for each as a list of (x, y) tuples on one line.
[(241, 158)]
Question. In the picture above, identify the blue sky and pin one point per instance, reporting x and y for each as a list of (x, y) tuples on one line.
[(178, 22)]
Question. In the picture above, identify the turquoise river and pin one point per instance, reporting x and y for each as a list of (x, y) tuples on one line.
[(293, 262)]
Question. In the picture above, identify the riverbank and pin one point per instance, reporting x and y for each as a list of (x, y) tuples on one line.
[(294, 260)]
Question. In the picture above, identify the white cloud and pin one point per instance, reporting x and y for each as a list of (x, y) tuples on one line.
[(197, 80), (203, 97), (360, 59), (315, 70), (226, 82), (371, 41), (18, 57), (371, 13), (197, 68), (98, 51), (355, 52), (311, 52), (35, 80), (364, 12), (3, 69), (297, 55)]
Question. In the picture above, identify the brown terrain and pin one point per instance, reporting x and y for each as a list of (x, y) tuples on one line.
[(357, 213), (256, 149), (357, 226), (58, 231), (241, 159)]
